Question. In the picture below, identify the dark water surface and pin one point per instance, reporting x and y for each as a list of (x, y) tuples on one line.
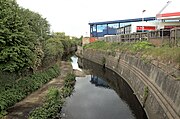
[(102, 95)]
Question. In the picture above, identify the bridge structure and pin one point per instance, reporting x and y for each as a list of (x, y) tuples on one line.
[(100, 29)]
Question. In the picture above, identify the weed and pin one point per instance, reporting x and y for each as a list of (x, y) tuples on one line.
[(54, 100), (50, 108), (103, 61), (164, 54), (146, 91)]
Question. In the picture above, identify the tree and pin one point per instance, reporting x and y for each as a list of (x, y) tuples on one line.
[(41, 28), (22, 35), (53, 51), (16, 44)]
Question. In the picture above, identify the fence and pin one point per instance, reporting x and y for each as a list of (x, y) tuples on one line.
[(158, 37), (175, 37)]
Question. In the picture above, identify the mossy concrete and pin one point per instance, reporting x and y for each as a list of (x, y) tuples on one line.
[(162, 100)]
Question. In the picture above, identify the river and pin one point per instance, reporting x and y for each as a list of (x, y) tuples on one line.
[(101, 94)]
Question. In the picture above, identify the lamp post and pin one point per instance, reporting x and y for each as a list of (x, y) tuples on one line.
[(158, 15), (143, 20)]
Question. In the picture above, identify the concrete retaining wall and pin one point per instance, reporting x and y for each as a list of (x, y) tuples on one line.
[(157, 92)]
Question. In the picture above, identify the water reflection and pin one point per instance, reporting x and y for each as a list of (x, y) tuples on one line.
[(101, 95), (99, 82), (94, 102), (117, 84)]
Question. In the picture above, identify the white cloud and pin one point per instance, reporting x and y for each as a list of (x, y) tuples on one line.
[(73, 16)]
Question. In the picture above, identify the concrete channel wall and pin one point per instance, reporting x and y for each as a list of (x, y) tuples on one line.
[(157, 92)]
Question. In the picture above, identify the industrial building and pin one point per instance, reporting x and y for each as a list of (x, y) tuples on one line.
[(136, 27), (161, 21), (164, 26), (100, 29)]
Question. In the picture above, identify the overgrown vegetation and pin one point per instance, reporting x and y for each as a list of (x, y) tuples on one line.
[(12, 92), (58, 45), (21, 33), (144, 49), (120, 46), (146, 92), (54, 100), (51, 106), (27, 46), (69, 83), (26, 41)]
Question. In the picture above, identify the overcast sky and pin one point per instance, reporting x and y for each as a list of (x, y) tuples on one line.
[(73, 16)]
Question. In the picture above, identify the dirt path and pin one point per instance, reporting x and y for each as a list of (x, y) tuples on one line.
[(22, 109)]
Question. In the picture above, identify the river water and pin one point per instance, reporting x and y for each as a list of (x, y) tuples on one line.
[(101, 94)]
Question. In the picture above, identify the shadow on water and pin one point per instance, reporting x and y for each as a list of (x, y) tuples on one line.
[(115, 82)]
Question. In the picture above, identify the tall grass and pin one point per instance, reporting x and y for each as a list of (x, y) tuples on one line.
[(146, 49)]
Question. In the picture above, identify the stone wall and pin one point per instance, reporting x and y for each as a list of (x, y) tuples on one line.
[(157, 92)]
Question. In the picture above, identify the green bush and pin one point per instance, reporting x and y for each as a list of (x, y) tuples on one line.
[(68, 85), (69, 80), (50, 108), (54, 100), (141, 46), (53, 49), (20, 34), (16, 91)]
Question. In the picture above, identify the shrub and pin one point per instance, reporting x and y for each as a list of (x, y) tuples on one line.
[(69, 80), (68, 85), (54, 100), (141, 46), (16, 91), (50, 108)]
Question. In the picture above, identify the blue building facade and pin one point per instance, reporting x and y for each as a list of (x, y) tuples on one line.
[(100, 29), (106, 31)]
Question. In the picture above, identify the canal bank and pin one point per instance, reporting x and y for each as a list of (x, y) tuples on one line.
[(22, 109), (157, 92)]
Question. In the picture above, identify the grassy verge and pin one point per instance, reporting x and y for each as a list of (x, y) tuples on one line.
[(14, 92), (54, 100), (143, 49)]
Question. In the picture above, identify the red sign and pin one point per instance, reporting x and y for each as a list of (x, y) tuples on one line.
[(146, 28), (170, 27)]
